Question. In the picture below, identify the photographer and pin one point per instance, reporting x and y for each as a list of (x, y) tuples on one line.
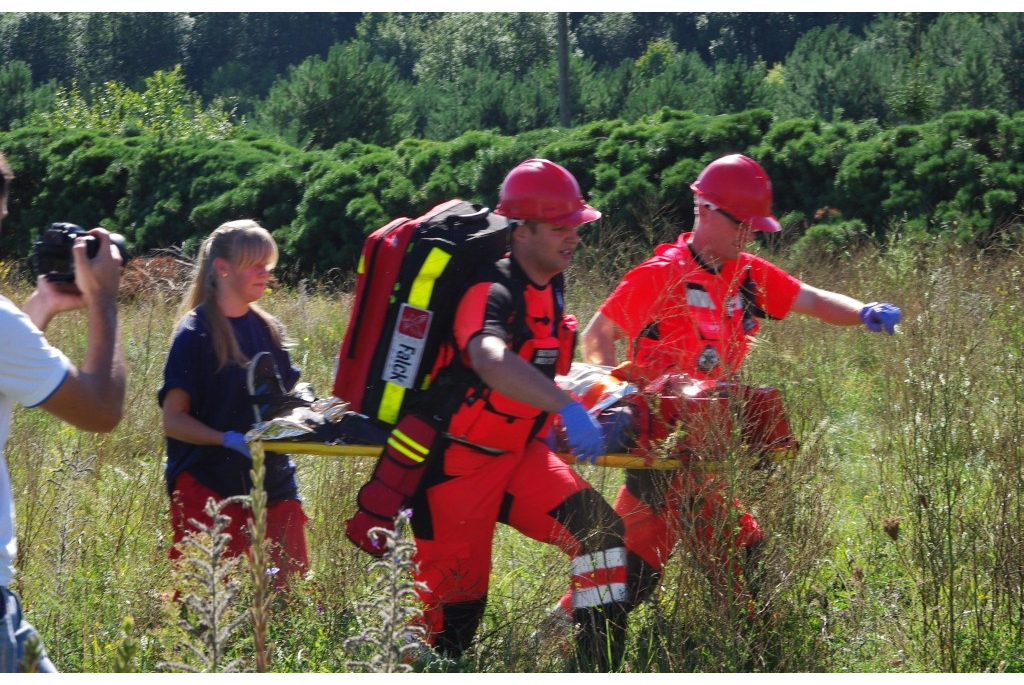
[(35, 374)]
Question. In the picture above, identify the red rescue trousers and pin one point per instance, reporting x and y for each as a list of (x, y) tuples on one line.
[(717, 531), (531, 490), (285, 527)]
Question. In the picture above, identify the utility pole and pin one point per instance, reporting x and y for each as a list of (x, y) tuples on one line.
[(563, 69)]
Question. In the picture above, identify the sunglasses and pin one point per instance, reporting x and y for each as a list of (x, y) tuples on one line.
[(724, 213)]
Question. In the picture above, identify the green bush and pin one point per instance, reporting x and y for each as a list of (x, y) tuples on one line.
[(829, 241), (961, 174)]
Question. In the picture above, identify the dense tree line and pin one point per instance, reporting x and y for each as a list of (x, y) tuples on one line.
[(836, 183), (317, 79), (325, 126)]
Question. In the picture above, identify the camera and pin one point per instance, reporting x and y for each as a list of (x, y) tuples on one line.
[(52, 256)]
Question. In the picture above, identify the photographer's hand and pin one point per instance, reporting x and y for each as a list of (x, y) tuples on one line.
[(98, 278), (96, 282)]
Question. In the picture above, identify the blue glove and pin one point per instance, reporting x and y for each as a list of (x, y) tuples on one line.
[(879, 315), (582, 432), (234, 440)]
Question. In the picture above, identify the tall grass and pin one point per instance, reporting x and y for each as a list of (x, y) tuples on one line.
[(893, 539)]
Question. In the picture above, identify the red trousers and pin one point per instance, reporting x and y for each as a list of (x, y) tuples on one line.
[(694, 510), (285, 527), (531, 490)]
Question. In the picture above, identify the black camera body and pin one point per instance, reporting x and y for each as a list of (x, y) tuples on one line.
[(52, 257)]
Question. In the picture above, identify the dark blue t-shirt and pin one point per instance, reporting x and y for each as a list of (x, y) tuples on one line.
[(220, 400)]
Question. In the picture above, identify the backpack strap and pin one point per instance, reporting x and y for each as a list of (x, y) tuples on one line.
[(456, 382)]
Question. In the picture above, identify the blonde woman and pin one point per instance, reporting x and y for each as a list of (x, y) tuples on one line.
[(207, 406)]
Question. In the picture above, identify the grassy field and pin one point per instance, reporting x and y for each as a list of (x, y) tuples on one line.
[(894, 537)]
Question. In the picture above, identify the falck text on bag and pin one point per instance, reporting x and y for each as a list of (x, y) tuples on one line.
[(407, 345)]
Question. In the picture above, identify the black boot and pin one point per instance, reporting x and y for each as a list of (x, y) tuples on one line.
[(461, 619), (601, 638)]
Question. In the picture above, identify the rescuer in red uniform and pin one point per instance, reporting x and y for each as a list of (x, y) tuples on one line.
[(693, 308), (511, 333)]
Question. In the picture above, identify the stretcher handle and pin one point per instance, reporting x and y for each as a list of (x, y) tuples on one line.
[(613, 460)]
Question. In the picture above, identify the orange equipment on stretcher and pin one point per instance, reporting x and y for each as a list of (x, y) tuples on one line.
[(703, 420), (693, 422)]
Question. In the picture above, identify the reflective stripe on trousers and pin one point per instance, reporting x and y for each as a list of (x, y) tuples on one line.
[(599, 578)]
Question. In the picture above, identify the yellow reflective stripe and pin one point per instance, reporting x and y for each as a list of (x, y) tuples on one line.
[(419, 296), (409, 453), (390, 402), (417, 452), (423, 285), (361, 267), (422, 449)]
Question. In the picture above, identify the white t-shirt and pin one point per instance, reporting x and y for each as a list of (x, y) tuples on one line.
[(30, 370)]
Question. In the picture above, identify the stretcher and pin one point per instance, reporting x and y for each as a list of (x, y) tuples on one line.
[(617, 460), (686, 422), (622, 460)]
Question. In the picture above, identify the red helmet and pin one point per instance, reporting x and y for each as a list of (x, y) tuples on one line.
[(541, 190), (740, 186)]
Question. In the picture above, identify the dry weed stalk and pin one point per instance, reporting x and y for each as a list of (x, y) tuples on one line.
[(258, 567), (395, 637), (208, 620)]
